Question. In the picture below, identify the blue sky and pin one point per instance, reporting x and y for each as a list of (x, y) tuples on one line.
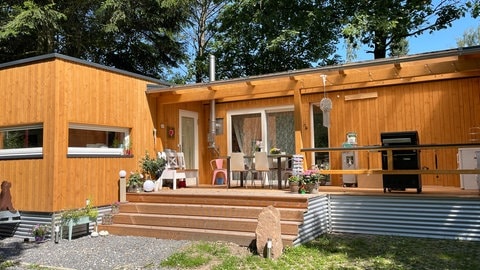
[(440, 40)]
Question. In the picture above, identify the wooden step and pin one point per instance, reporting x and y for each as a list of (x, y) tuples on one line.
[(260, 200), (292, 214), (240, 238), (214, 216), (200, 222)]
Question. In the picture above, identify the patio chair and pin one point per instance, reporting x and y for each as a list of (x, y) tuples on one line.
[(237, 164), (262, 166), (174, 169), (217, 167)]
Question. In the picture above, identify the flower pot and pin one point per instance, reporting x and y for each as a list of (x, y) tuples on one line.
[(40, 239), (294, 187), (312, 188)]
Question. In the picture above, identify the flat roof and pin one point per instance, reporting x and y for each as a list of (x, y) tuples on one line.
[(46, 57)]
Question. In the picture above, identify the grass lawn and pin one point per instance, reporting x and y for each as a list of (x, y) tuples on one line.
[(338, 251)]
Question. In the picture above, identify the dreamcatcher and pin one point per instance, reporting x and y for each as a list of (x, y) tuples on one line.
[(325, 104)]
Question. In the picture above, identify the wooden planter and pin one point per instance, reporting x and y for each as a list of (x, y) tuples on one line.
[(78, 221)]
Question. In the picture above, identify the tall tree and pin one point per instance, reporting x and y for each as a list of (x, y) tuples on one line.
[(198, 34), (139, 36), (384, 25), (471, 37), (28, 29), (253, 40)]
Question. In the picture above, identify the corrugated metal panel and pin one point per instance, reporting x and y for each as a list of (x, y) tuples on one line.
[(446, 218), (315, 220), (23, 229)]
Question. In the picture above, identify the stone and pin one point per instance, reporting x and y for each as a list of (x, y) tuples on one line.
[(269, 227)]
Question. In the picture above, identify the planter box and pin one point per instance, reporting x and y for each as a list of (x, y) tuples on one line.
[(74, 222)]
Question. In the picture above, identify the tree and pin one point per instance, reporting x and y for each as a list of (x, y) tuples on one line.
[(253, 40), (384, 25), (138, 36), (199, 33), (471, 37), (28, 29)]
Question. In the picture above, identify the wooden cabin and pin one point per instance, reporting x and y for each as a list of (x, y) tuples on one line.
[(68, 127), (436, 94), (71, 125)]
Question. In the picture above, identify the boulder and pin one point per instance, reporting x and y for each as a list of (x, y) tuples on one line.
[(269, 227)]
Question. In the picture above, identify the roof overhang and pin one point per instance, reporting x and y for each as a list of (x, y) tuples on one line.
[(448, 64)]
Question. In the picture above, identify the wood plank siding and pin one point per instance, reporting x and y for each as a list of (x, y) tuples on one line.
[(436, 94), (56, 91)]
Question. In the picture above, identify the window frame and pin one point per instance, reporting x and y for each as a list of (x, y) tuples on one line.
[(86, 151), (23, 152), (263, 111)]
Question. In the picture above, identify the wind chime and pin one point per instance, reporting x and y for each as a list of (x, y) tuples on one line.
[(325, 104)]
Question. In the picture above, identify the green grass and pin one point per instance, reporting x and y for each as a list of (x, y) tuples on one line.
[(340, 251)]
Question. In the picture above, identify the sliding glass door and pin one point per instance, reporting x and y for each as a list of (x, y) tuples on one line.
[(261, 130)]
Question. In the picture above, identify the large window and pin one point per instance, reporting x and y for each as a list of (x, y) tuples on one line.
[(21, 141), (97, 140), (262, 129)]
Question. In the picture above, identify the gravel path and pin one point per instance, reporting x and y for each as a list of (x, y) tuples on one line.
[(102, 252)]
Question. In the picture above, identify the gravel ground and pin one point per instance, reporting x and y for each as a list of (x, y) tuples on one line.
[(102, 252)]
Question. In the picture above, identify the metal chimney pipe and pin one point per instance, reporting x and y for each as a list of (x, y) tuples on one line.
[(211, 135)]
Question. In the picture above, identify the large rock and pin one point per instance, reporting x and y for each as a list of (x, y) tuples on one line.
[(269, 227)]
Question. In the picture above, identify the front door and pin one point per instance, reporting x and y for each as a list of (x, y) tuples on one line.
[(189, 138)]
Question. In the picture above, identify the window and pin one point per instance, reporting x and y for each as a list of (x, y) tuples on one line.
[(262, 129), (21, 141), (90, 140)]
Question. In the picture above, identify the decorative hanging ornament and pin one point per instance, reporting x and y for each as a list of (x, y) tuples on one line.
[(325, 104)]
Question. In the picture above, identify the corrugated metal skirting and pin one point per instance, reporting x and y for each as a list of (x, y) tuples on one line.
[(315, 220), (446, 218)]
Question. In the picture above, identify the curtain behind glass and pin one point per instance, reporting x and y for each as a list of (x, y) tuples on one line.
[(281, 131), (246, 128)]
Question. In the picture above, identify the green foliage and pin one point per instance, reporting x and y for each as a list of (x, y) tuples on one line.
[(135, 179), (152, 166), (74, 214), (384, 25), (251, 40), (471, 37), (141, 36), (341, 251)]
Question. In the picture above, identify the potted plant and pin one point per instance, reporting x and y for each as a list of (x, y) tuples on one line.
[(115, 208), (275, 151), (311, 178), (294, 182), (74, 215), (135, 182), (78, 216), (152, 167), (39, 232)]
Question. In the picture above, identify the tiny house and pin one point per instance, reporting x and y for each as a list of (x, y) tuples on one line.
[(69, 126)]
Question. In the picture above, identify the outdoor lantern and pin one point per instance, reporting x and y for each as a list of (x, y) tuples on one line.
[(57, 234), (122, 186)]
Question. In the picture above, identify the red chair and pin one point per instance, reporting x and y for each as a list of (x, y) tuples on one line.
[(217, 167)]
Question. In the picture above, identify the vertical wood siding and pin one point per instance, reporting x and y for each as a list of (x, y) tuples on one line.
[(57, 92), (441, 111)]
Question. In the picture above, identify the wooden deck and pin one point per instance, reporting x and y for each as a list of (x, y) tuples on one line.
[(221, 214)]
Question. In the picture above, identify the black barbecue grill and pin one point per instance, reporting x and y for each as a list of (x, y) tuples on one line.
[(402, 160)]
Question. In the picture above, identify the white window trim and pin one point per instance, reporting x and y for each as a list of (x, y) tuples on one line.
[(97, 150), (263, 114), (31, 152)]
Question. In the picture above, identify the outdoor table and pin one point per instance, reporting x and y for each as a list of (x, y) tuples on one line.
[(279, 166)]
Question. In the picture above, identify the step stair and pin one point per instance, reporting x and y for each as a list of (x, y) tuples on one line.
[(208, 217)]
